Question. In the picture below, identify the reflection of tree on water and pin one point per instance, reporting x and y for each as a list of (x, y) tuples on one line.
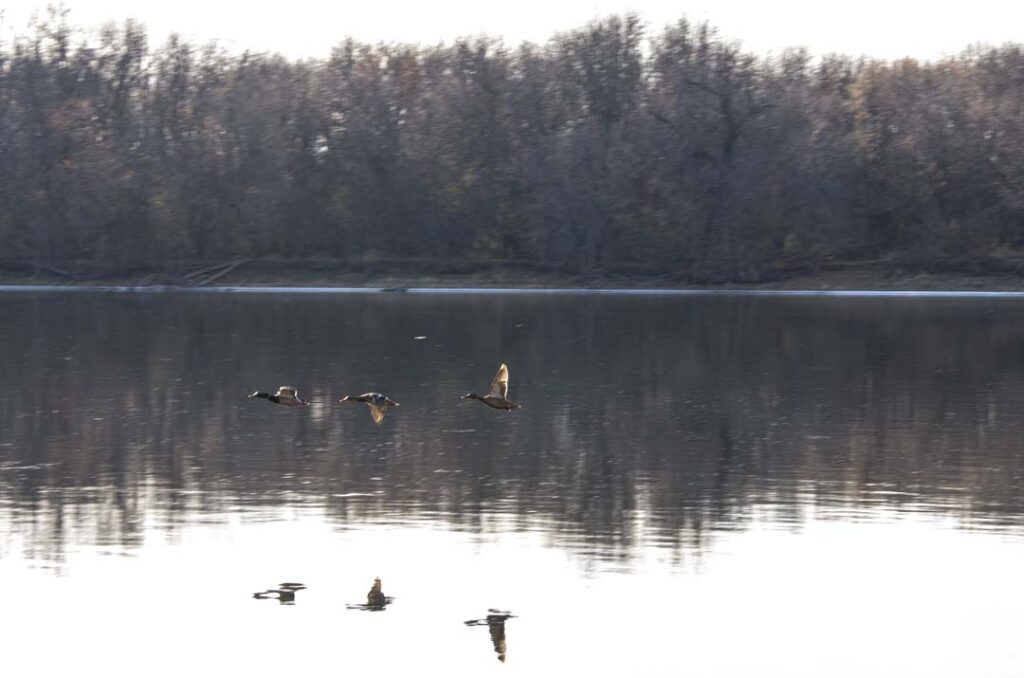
[(704, 412), (285, 593), (495, 622)]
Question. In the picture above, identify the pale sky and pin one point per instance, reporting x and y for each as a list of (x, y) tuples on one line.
[(308, 28)]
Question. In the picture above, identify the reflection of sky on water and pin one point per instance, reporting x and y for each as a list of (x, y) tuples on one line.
[(898, 597)]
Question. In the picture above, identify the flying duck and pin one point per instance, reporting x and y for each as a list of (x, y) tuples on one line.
[(496, 398), (287, 396), (377, 402)]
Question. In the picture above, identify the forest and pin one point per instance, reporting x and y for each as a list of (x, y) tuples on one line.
[(613, 149)]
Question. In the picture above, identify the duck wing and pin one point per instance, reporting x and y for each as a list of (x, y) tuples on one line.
[(499, 386), (287, 391), (377, 412)]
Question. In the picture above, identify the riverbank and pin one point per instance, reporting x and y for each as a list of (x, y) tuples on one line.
[(870, 277)]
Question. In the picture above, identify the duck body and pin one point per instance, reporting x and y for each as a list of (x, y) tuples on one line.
[(492, 401), (377, 402), (286, 396), (497, 397)]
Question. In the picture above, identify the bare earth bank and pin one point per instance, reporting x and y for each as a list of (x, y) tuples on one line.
[(852, 279)]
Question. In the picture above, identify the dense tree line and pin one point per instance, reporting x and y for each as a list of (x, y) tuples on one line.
[(609, 149)]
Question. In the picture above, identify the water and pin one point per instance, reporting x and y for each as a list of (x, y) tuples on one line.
[(696, 485)]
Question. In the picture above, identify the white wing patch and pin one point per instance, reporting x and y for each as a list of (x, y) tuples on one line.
[(499, 387), (376, 412)]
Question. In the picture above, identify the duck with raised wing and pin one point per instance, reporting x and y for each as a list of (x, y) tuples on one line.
[(377, 402), (497, 397), (286, 396)]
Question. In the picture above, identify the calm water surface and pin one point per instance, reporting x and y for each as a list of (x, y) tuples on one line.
[(699, 486)]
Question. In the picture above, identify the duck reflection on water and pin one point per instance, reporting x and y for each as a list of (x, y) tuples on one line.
[(495, 621), (285, 593), (375, 598)]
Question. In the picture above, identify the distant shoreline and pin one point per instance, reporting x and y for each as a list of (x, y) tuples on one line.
[(100, 289), (866, 279)]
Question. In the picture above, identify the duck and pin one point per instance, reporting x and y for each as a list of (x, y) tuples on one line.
[(287, 396), (377, 402), (497, 397)]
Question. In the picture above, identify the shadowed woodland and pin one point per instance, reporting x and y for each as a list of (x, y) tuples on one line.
[(612, 149)]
